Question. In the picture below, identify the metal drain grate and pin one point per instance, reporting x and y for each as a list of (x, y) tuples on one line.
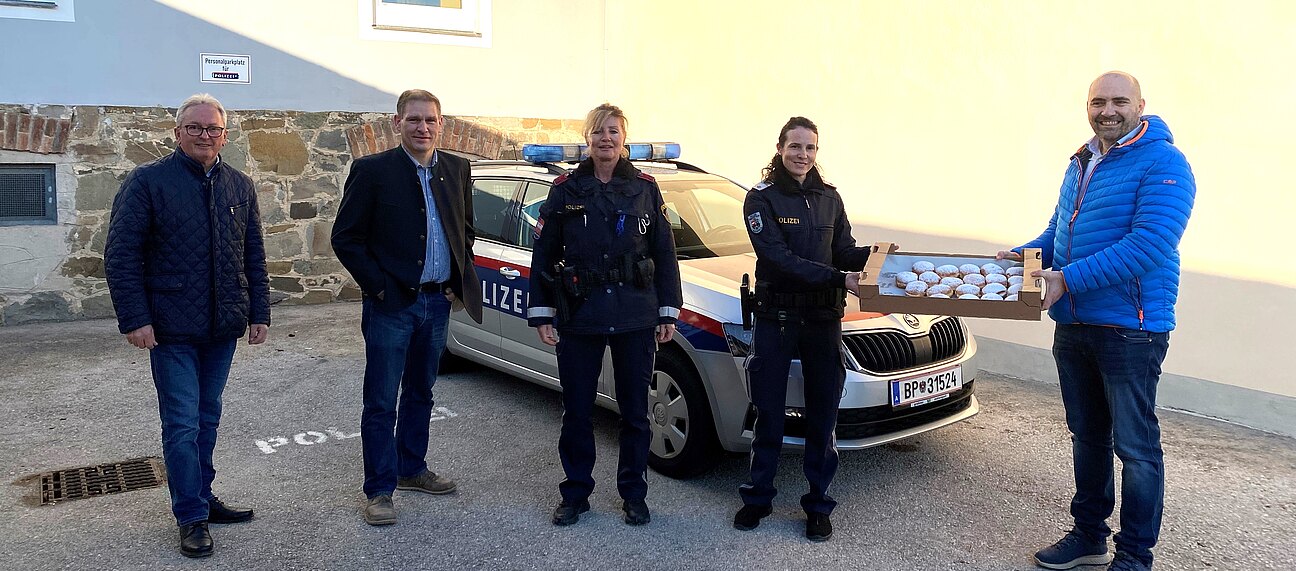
[(101, 480)]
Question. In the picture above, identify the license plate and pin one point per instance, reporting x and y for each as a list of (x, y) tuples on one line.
[(916, 391)]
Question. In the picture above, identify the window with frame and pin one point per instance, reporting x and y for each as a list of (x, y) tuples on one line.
[(492, 199), (27, 195), (454, 22), (48, 10), (532, 200)]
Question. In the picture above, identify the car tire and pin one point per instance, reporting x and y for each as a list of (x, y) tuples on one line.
[(684, 442), (451, 363)]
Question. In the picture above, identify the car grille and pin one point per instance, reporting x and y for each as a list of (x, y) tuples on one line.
[(855, 423), (882, 352)]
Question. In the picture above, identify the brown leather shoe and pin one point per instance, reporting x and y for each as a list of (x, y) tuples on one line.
[(380, 511), (427, 482)]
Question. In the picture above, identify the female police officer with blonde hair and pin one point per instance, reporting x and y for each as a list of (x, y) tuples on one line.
[(604, 274), (802, 239)]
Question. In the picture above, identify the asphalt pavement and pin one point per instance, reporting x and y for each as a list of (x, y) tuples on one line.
[(980, 495)]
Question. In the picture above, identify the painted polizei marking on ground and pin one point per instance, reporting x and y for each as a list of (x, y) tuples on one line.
[(332, 433)]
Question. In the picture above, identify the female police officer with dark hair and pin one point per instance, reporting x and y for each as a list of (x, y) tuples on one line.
[(604, 274), (803, 242)]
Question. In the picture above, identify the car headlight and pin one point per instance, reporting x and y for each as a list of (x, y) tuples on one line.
[(739, 339)]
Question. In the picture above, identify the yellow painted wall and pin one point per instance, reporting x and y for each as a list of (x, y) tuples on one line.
[(945, 118), (956, 119)]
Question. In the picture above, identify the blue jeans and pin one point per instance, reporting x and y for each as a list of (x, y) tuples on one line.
[(402, 351), (190, 379), (1109, 380)]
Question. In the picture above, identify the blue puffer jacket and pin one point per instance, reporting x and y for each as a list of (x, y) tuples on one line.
[(1116, 242), (185, 253)]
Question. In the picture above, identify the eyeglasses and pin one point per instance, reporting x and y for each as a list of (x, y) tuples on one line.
[(198, 130)]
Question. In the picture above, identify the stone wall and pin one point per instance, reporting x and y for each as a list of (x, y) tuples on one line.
[(298, 161)]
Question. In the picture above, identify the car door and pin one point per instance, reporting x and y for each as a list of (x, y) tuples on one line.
[(492, 199), (519, 343)]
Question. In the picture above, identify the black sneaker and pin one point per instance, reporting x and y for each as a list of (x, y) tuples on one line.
[(818, 527), (1124, 562), (1075, 548), (636, 512), (568, 513), (750, 515)]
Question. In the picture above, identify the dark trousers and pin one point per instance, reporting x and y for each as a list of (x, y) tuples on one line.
[(824, 375), (1109, 380), (190, 378), (580, 360), (402, 352)]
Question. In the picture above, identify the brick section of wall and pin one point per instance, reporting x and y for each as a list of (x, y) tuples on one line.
[(20, 131), (457, 135)]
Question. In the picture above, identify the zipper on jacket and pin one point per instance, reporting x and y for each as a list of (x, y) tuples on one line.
[(1085, 176), (1138, 300), (211, 227)]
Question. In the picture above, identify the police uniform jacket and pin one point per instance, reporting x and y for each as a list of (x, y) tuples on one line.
[(594, 227), (803, 246)]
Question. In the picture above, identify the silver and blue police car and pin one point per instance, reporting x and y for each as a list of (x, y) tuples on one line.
[(905, 374)]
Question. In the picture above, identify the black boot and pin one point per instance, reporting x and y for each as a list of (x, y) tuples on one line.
[(568, 513), (818, 527), (636, 512), (750, 515)]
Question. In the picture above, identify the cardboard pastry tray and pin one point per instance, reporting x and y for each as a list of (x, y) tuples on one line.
[(879, 292)]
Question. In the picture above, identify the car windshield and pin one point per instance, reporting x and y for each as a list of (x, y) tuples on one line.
[(706, 217)]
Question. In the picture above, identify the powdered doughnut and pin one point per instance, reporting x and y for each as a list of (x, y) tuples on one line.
[(966, 269), (1015, 271), (903, 278), (916, 289), (968, 296), (939, 289), (974, 279), (938, 296), (947, 270), (993, 288), (951, 281), (992, 297), (1015, 280), (923, 266), (930, 278), (991, 268), (1011, 297), (996, 279), (967, 289), (1014, 289)]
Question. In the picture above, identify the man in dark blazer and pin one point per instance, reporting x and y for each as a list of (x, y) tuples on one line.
[(404, 232)]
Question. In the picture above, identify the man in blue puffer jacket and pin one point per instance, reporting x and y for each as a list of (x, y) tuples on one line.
[(1113, 248), (187, 274)]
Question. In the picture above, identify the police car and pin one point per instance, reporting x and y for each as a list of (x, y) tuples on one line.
[(905, 374)]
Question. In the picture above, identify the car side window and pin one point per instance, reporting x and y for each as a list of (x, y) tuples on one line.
[(491, 200), (532, 199)]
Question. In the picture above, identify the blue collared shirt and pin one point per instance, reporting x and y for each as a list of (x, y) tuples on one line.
[(436, 256)]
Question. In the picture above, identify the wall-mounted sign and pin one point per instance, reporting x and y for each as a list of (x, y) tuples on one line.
[(226, 68)]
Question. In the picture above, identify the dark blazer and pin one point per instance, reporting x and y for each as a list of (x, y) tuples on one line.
[(380, 234), (184, 252)]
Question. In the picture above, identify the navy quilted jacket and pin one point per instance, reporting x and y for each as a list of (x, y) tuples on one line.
[(1116, 241), (185, 254)]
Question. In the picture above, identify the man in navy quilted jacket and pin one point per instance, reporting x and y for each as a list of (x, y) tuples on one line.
[(187, 273), (1112, 249)]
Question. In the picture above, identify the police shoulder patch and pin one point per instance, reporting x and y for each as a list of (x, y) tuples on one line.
[(562, 178), (763, 185), (755, 223), (647, 176), (539, 227)]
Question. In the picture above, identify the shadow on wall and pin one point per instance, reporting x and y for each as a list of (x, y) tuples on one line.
[(142, 42)]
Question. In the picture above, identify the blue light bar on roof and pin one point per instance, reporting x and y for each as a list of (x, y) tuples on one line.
[(552, 153), (653, 151), (575, 152)]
